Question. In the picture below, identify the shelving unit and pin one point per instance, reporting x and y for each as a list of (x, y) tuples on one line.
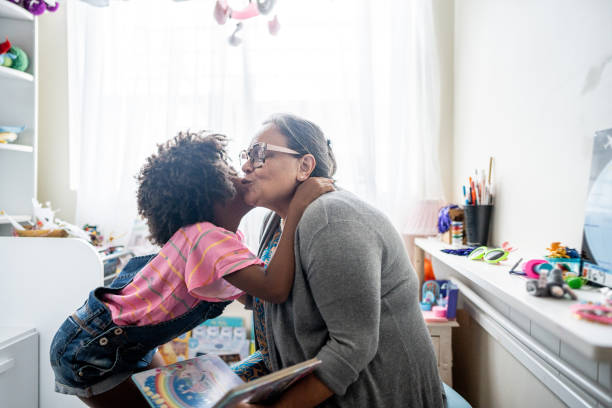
[(18, 107), (10, 73)]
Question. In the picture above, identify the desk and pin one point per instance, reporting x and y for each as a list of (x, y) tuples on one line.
[(442, 338), (571, 357)]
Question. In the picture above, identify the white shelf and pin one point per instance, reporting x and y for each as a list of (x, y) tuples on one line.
[(18, 218), (8, 334), (16, 147), (10, 73), (11, 10), (594, 340)]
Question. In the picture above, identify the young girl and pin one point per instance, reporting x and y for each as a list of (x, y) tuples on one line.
[(192, 201)]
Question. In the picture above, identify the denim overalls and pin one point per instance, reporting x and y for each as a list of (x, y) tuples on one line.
[(90, 354)]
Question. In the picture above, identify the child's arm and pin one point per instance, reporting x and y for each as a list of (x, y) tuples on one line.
[(274, 283)]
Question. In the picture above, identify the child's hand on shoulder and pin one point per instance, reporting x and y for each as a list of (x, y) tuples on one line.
[(309, 190)]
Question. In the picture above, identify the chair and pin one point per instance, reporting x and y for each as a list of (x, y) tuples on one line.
[(454, 400)]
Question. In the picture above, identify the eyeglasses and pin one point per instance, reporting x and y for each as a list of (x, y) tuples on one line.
[(491, 256), (257, 153)]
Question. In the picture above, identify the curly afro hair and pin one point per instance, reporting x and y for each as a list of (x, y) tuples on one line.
[(179, 184)]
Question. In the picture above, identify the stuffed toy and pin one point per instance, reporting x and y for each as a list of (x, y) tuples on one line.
[(37, 7), (550, 284), (13, 57)]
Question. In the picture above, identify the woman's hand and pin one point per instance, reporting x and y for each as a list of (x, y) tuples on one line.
[(246, 405), (308, 191)]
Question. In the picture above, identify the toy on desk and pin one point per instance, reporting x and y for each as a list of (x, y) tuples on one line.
[(514, 271), (492, 256), (599, 312), (550, 284), (575, 282), (430, 292), (506, 246), (458, 251), (534, 267), (439, 299), (593, 313), (566, 257)]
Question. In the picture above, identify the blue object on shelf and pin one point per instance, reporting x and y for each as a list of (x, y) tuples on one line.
[(450, 291), (573, 264), (12, 129)]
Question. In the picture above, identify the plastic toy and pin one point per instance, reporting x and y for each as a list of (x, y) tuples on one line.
[(37, 7), (532, 268), (574, 282), (594, 313), (556, 250), (491, 256), (430, 292), (550, 284), (439, 299)]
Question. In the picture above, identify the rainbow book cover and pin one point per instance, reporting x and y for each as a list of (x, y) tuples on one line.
[(208, 382), (199, 382)]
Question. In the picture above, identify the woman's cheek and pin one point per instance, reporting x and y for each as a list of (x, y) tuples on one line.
[(250, 197)]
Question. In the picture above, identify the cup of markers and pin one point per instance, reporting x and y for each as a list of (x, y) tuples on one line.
[(457, 233)]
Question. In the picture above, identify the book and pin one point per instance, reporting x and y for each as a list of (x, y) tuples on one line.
[(208, 382)]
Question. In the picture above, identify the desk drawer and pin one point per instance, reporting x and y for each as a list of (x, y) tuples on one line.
[(19, 371)]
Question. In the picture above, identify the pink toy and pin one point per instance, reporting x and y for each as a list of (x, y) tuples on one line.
[(439, 311), (593, 313), (529, 268)]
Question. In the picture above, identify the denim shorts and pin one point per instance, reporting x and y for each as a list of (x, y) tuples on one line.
[(90, 354)]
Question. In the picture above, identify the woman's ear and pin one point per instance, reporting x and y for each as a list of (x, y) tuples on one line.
[(307, 166)]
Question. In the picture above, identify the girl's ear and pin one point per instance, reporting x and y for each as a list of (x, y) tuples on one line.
[(307, 166)]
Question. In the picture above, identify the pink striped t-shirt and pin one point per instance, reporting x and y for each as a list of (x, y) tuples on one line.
[(188, 269)]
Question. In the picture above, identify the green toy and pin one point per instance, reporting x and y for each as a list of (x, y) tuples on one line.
[(13, 57), (574, 282), (20, 61)]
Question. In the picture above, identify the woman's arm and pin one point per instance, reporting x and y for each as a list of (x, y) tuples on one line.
[(308, 392), (343, 263), (274, 282)]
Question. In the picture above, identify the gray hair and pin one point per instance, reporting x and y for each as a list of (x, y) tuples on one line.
[(305, 137)]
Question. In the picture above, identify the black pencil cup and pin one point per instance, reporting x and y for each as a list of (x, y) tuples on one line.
[(477, 221)]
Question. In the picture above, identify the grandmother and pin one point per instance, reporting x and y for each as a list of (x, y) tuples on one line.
[(354, 303)]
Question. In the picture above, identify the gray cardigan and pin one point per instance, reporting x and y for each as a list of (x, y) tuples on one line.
[(354, 305)]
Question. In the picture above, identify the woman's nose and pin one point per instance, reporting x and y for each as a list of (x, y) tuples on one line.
[(247, 167)]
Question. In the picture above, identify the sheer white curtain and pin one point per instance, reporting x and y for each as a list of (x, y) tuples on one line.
[(366, 72)]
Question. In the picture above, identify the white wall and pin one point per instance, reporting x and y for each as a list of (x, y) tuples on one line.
[(443, 11), (520, 73), (53, 170)]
